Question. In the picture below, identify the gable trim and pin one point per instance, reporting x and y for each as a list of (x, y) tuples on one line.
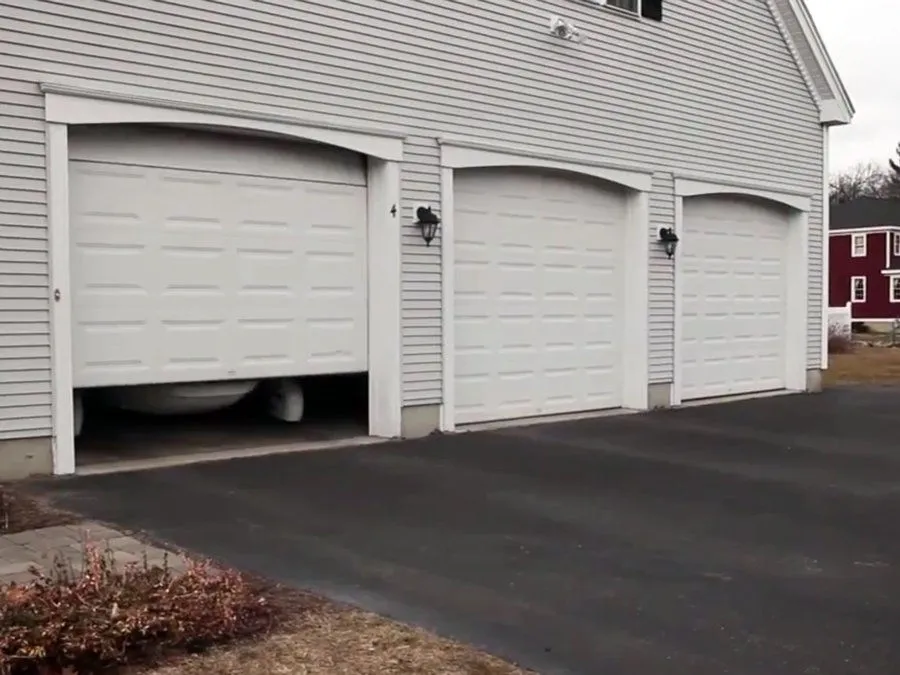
[(814, 38), (832, 111)]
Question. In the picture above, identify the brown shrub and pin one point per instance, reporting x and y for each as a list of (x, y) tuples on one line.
[(67, 622), (839, 342)]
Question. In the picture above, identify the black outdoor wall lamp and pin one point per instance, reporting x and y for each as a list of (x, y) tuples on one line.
[(427, 221), (668, 239)]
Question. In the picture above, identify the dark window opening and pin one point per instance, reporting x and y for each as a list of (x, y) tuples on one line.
[(649, 9)]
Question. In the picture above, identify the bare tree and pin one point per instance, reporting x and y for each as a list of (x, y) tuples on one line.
[(863, 180)]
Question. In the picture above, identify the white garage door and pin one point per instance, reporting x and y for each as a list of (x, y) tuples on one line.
[(538, 294), (198, 256), (734, 297)]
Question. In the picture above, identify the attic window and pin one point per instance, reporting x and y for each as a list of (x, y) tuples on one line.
[(649, 9)]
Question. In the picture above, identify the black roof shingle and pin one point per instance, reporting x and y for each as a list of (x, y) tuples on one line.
[(865, 212)]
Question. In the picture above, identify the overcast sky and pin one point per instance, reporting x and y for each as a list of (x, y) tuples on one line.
[(861, 36)]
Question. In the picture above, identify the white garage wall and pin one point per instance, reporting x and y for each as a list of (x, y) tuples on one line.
[(712, 90), (662, 282)]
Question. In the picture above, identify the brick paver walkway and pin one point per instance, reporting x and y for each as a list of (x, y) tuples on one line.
[(40, 548)]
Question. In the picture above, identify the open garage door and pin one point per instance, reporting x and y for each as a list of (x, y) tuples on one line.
[(734, 297), (200, 256), (539, 294)]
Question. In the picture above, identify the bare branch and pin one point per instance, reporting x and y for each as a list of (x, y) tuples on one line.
[(863, 180)]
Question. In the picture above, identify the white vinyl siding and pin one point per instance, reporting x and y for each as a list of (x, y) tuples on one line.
[(804, 53), (24, 305), (661, 331), (713, 90)]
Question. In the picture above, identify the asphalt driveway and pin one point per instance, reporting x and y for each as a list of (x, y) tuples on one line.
[(754, 537)]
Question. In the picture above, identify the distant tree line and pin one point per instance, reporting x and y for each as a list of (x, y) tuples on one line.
[(867, 180)]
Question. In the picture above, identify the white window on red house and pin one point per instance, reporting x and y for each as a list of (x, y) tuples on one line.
[(859, 246), (895, 289), (858, 289), (896, 244)]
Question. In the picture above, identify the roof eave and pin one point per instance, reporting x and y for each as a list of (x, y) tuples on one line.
[(833, 114), (837, 111)]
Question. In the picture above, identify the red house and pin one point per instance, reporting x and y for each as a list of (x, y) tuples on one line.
[(864, 258)]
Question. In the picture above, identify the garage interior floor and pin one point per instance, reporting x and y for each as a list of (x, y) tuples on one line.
[(336, 409)]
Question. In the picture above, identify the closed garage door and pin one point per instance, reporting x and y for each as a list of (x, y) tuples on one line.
[(538, 294), (198, 256), (734, 297)]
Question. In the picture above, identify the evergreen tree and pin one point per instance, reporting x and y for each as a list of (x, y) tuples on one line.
[(893, 180)]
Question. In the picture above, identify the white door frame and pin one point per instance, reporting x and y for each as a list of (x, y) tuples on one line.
[(465, 154), (797, 273), (65, 105)]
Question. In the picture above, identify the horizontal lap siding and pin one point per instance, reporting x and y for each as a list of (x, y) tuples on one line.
[(804, 51), (712, 90), (662, 282), (421, 283), (24, 310)]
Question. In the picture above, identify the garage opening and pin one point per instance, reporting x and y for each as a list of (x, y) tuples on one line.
[(219, 291), (335, 409)]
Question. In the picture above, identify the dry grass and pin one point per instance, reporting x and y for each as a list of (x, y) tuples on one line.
[(313, 637), (333, 640), (20, 512), (872, 365)]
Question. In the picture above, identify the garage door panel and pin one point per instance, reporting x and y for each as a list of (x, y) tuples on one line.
[(734, 297), (201, 275), (538, 286)]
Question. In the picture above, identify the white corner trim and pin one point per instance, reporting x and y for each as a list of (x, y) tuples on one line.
[(888, 248), (797, 316), (689, 187), (71, 105), (636, 315), (383, 263), (62, 411), (463, 154), (448, 289), (677, 306)]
